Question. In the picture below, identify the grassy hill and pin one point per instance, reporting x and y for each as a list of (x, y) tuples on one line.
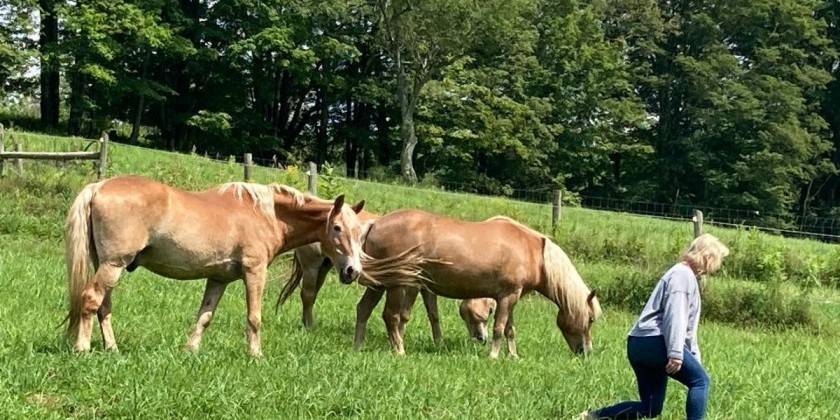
[(769, 320)]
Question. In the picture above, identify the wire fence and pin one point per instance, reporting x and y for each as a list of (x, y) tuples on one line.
[(812, 227)]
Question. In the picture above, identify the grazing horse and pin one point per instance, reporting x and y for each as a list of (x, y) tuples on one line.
[(475, 313), (233, 231), (309, 270), (497, 258)]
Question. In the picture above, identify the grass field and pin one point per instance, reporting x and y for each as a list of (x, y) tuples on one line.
[(775, 372)]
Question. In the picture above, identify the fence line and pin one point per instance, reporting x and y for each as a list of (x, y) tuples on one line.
[(19, 155), (820, 228)]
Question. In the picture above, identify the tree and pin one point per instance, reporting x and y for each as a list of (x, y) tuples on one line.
[(50, 66), (593, 100), (421, 38)]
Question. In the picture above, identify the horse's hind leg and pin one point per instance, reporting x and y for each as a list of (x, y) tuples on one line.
[(430, 302), (213, 292), (363, 311), (313, 279), (104, 280), (104, 315), (409, 296)]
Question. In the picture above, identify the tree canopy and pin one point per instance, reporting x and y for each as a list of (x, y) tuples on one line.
[(730, 104)]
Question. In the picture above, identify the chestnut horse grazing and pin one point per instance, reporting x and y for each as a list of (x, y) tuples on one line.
[(225, 233), (497, 258), (475, 313)]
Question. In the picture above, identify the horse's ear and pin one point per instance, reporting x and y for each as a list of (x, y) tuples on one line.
[(337, 204), (358, 206), (591, 296)]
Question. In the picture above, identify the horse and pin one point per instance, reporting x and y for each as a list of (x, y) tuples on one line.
[(309, 270), (225, 233), (475, 313), (496, 258)]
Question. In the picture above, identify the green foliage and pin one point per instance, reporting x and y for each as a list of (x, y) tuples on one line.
[(732, 104)]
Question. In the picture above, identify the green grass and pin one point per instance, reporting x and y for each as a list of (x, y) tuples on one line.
[(758, 371)]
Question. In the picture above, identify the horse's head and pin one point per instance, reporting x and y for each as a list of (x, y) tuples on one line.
[(342, 239), (475, 313), (576, 328)]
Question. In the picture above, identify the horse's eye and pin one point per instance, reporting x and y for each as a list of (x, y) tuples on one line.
[(337, 228)]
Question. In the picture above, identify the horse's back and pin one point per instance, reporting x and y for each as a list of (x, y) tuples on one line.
[(484, 257)]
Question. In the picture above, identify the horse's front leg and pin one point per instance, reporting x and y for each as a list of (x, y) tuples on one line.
[(504, 310), (430, 302), (510, 333), (213, 292), (392, 317), (364, 309), (254, 286)]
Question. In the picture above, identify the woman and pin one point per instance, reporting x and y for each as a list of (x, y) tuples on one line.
[(663, 342)]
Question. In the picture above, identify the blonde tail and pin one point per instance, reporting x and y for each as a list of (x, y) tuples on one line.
[(78, 253), (291, 284)]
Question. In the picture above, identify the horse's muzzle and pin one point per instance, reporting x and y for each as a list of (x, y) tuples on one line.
[(348, 275)]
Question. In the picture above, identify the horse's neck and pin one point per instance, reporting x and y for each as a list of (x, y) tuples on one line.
[(297, 235), (302, 223)]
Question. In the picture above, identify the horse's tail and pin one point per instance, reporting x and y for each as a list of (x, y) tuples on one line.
[(78, 252), (404, 269), (292, 283)]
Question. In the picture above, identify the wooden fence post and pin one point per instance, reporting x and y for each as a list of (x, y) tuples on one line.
[(103, 156), (698, 223), (248, 161), (555, 207), (18, 161), (313, 178), (2, 146)]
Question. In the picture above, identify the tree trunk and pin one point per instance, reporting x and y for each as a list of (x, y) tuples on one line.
[(409, 138), (349, 136), (135, 127), (77, 92), (321, 135), (49, 79), (383, 139)]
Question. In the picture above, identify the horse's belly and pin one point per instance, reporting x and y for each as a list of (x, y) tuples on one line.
[(455, 283), (183, 266)]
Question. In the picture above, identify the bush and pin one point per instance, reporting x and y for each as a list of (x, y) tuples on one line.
[(748, 304)]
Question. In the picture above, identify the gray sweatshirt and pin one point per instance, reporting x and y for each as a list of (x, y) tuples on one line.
[(673, 311)]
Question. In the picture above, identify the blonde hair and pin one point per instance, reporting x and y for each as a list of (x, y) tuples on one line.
[(706, 253)]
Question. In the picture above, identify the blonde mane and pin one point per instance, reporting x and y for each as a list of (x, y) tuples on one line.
[(564, 286), (263, 195)]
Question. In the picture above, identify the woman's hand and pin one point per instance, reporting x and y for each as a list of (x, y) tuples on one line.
[(673, 366)]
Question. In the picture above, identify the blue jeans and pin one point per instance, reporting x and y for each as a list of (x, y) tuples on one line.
[(648, 357)]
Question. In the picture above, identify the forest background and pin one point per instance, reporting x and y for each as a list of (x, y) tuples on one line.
[(733, 104)]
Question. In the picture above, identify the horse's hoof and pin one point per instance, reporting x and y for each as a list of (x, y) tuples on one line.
[(81, 348), (192, 348)]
